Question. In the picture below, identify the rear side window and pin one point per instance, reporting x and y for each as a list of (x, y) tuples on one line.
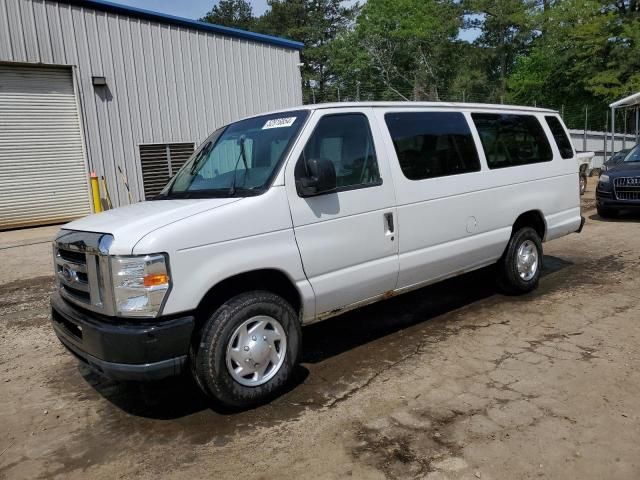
[(560, 136), (509, 140), (432, 144), (346, 141)]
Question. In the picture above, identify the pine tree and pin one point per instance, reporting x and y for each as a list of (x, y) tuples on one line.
[(231, 13)]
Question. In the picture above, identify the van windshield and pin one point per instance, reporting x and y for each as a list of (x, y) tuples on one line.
[(237, 160)]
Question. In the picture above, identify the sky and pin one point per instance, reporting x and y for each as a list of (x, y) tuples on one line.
[(195, 9)]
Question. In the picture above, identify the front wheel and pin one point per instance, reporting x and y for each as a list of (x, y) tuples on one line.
[(521, 262), (248, 349), (606, 212)]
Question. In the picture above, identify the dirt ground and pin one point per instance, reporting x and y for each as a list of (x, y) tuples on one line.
[(452, 381)]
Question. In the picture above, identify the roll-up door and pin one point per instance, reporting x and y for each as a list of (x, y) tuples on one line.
[(43, 178)]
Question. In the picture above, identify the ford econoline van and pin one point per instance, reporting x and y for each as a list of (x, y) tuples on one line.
[(292, 217)]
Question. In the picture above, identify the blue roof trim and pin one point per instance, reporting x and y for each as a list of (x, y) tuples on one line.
[(185, 22)]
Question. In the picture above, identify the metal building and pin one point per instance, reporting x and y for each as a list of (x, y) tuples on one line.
[(89, 85)]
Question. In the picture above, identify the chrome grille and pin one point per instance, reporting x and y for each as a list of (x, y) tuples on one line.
[(627, 188), (71, 271), (82, 269)]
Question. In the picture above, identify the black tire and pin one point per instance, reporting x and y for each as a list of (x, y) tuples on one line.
[(509, 278), (605, 212), (583, 184), (208, 354)]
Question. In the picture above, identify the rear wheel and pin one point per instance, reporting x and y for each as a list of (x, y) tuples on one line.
[(521, 262), (248, 349)]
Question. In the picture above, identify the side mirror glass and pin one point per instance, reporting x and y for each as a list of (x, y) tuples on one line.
[(319, 178)]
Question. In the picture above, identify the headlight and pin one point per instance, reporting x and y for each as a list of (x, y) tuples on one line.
[(140, 284), (604, 178)]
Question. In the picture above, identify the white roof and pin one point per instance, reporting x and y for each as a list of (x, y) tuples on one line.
[(462, 106), (630, 101)]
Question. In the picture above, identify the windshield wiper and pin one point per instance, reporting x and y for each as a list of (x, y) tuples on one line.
[(191, 194), (196, 161), (243, 155), (203, 153)]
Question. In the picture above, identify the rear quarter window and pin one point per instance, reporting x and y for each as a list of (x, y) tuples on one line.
[(510, 140), (560, 136), (432, 144)]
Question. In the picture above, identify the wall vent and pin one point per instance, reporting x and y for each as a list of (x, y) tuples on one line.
[(160, 162)]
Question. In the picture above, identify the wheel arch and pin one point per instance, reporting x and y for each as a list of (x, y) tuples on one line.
[(268, 279), (531, 218)]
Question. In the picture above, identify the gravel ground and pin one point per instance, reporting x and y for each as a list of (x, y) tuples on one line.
[(449, 382)]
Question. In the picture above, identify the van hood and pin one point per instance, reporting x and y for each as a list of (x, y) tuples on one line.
[(130, 223)]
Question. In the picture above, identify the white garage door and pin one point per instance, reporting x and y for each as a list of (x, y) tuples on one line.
[(43, 178)]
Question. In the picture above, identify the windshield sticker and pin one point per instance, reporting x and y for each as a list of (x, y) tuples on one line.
[(279, 122)]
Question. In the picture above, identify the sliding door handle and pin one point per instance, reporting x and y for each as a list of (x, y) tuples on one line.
[(388, 218)]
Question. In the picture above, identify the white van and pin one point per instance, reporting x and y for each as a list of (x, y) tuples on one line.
[(292, 217)]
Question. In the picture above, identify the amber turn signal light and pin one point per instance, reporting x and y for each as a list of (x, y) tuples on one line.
[(153, 280)]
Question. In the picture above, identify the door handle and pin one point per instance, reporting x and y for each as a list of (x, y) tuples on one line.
[(388, 218)]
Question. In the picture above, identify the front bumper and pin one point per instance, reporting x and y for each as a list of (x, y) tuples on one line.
[(122, 349), (607, 199)]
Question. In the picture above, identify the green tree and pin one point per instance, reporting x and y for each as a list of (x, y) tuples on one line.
[(474, 80), (507, 31), (589, 55), (287, 18), (403, 47), (231, 13), (316, 23)]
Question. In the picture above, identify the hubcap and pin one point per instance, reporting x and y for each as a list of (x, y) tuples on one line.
[(527, 260), (256, 351)]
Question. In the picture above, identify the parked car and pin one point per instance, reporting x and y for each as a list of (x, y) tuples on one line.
[(619, 188), (584, 166), (614, 159), (288, 218)]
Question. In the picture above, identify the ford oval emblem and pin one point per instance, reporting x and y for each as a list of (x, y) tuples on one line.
[(67, 273)]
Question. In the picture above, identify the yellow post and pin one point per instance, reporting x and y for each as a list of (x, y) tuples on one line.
[(95, 193)]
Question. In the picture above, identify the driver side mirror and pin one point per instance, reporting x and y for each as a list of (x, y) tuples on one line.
[(319, 177)]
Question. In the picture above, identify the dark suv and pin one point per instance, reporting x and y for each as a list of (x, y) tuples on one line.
[(619, 187), (615, 159)]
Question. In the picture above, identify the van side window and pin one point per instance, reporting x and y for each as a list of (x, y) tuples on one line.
[(560, 136), (345, 140), (509, 140), (432, 144)]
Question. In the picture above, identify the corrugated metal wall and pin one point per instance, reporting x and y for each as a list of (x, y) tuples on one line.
[(165, 83)]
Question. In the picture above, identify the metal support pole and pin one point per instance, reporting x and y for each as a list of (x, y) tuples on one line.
[(95, 193), (624, 131), (637, 126), (613, 130), (584, 138), (606, 136)]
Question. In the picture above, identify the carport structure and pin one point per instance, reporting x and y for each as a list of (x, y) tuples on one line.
[(633, 102)]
